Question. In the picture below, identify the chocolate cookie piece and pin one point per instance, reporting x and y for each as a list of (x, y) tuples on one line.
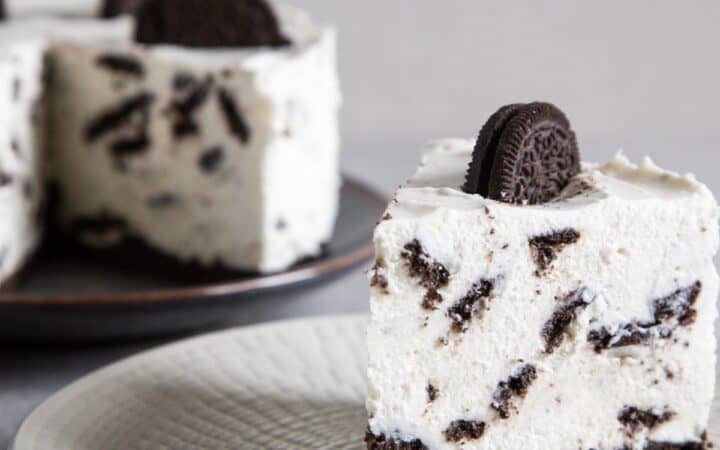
[(554, 330), (5, 178), (632, 333), (119, 115), (212, 159), (525, 154), (184, 108), (124, 64), (477, 179), (464, 430), (545, 248), (678, 305), (431, 274), (209, 23), (634, 418), (472, 305), (234, 117), (113, 8), (516, 386), (669, 312)]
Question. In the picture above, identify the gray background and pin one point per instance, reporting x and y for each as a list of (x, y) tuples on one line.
[(639, 74)]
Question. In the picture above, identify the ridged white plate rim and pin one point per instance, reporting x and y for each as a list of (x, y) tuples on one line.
[(31, 427)]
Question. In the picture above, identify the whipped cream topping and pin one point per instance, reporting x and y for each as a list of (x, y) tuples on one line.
[(76, 8)]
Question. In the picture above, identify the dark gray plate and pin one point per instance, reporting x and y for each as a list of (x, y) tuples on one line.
[(71, 294)]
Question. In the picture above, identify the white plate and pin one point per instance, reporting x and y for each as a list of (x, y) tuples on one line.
[(291, 385)]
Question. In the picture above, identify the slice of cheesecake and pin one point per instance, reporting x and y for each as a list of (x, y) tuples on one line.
[(222, 156), (573, 311)]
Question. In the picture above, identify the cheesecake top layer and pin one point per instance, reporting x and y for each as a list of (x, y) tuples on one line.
[(438, 181)]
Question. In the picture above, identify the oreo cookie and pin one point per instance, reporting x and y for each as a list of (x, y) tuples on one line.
[(209, 23), (525, 154), (114, 8), (478, 176)]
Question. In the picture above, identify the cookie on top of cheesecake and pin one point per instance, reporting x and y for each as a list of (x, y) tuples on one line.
[(523, 299)]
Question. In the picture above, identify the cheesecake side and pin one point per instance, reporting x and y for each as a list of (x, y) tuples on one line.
[(585, 322), (223, 157)]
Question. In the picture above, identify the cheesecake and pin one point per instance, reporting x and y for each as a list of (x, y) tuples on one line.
[(213, 142), (220, 156), (524, 299)]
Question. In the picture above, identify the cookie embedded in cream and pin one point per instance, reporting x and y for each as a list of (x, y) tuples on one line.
[(589, 313)]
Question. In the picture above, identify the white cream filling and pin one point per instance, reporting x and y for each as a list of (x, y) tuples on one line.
[(645, 232)]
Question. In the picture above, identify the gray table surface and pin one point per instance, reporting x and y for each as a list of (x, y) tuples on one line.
[(642, 75)]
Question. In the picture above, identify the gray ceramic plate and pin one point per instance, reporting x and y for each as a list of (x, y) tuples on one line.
[(291, 385), (68, 293)]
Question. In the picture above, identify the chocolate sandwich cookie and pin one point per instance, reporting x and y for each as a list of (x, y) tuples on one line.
[(209, 23), (113, 8), (485, 149), (525, 154)]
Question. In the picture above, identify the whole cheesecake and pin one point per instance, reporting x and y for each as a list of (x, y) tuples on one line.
[(211, 141), (536, 302)]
